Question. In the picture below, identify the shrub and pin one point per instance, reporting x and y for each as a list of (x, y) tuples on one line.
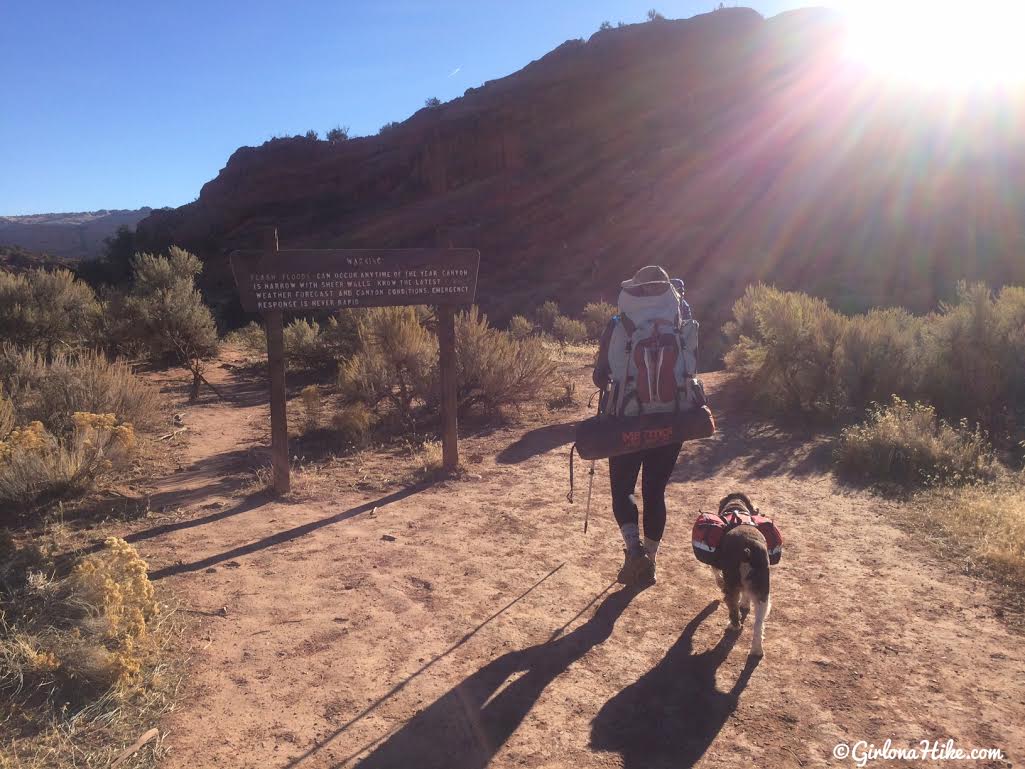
[(83, 639), (546, 315), (251, 340), (396, 367), (312, 135), (785, 349), (395, 363), (303, 346), (6, 414), (313, 407), (36, 466), (388, 127), (338, 134), (432, 102), (51, 391), (604, 26), (880, 355), (975, 352), (49, 310), (520, 327), (794, 353), (907, 444), (166, 314), (353, 422), (654, 15), (495, 369), (597, 316), (568, 330)]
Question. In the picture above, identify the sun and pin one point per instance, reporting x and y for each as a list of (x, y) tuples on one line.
[(939, 43)]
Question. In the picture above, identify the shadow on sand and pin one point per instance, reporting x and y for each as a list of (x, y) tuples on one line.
[(675, 711), (537, 442), (465, 727)]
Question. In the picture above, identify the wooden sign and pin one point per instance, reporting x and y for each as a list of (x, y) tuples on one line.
[(272, 282), (330, 279)]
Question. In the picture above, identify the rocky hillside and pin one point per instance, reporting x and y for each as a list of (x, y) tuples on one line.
[(71, 236), (729, 147)]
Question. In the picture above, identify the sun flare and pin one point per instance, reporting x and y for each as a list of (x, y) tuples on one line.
[(938, 43)]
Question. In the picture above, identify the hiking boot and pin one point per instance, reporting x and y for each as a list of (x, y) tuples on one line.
[(638, 569)]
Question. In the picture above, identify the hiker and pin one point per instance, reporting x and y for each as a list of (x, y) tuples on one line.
[(649, 291)]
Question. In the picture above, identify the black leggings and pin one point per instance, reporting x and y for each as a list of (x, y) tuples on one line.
[(658, 465)]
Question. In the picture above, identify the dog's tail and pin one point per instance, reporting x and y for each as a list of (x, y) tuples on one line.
[(757, 558), (737, 496)]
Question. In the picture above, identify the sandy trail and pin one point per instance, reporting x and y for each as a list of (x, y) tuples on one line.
[(487, 633)]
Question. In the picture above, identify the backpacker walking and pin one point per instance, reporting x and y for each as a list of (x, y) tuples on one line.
[(647, 361)]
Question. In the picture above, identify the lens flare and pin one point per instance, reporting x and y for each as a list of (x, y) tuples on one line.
[(940, 44)]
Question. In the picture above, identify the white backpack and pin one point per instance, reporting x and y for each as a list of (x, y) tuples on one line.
[(653, 357)]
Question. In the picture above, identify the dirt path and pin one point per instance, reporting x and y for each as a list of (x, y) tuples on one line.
[(471, 624)]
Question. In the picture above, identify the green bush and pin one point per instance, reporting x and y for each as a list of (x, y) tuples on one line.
[(792, 352), (520, 327), (303, 345), (48, 310), (597, 316), (785, 347), (51, 390), (907, 444), (880, 355), (395, 364), (250, 340), (974, 359), (338, 134), (308, 344), (395, 371), (569, 331), (164, 313), (495, 369), (546, 315)]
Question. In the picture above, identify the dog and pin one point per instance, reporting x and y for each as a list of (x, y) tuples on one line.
[(743, 571)]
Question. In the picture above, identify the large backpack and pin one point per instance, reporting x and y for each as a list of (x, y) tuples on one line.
[(653, 357)]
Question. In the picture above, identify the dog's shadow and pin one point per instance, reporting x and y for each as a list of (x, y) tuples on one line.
[(671, 715)]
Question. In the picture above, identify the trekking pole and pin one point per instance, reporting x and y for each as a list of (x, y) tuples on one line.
[(590, 485), (602, 395)]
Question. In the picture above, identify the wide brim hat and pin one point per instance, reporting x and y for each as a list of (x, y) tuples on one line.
[(646, 276)]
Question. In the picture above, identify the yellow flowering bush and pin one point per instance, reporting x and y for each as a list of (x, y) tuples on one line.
[(34, 464), (115, 583)]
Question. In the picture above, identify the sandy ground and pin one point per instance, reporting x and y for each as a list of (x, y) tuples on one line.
[(471, 623)]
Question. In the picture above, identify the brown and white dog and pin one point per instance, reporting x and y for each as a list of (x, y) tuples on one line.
[(743, 572)]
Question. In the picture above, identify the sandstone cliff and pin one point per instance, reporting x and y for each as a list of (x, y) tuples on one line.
[(728, 147)]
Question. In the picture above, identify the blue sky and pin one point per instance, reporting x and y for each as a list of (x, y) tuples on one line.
[(120, 105)]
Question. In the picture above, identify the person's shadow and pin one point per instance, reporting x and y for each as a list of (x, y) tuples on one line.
[(671, 715), (466, 726)]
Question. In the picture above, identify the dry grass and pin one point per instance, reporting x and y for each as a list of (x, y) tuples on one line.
[(84, 662), (985, 524), (36, 466), (52, 390), (906, 444)]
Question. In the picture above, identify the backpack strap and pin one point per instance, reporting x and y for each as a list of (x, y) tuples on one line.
[(628, 325)]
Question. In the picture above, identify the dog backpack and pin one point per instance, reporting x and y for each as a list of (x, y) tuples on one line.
[(710, 528), (653, 356)]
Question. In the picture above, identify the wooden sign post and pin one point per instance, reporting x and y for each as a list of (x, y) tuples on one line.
[(271, 282)]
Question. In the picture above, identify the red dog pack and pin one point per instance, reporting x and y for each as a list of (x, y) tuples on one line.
[(710, 528)]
